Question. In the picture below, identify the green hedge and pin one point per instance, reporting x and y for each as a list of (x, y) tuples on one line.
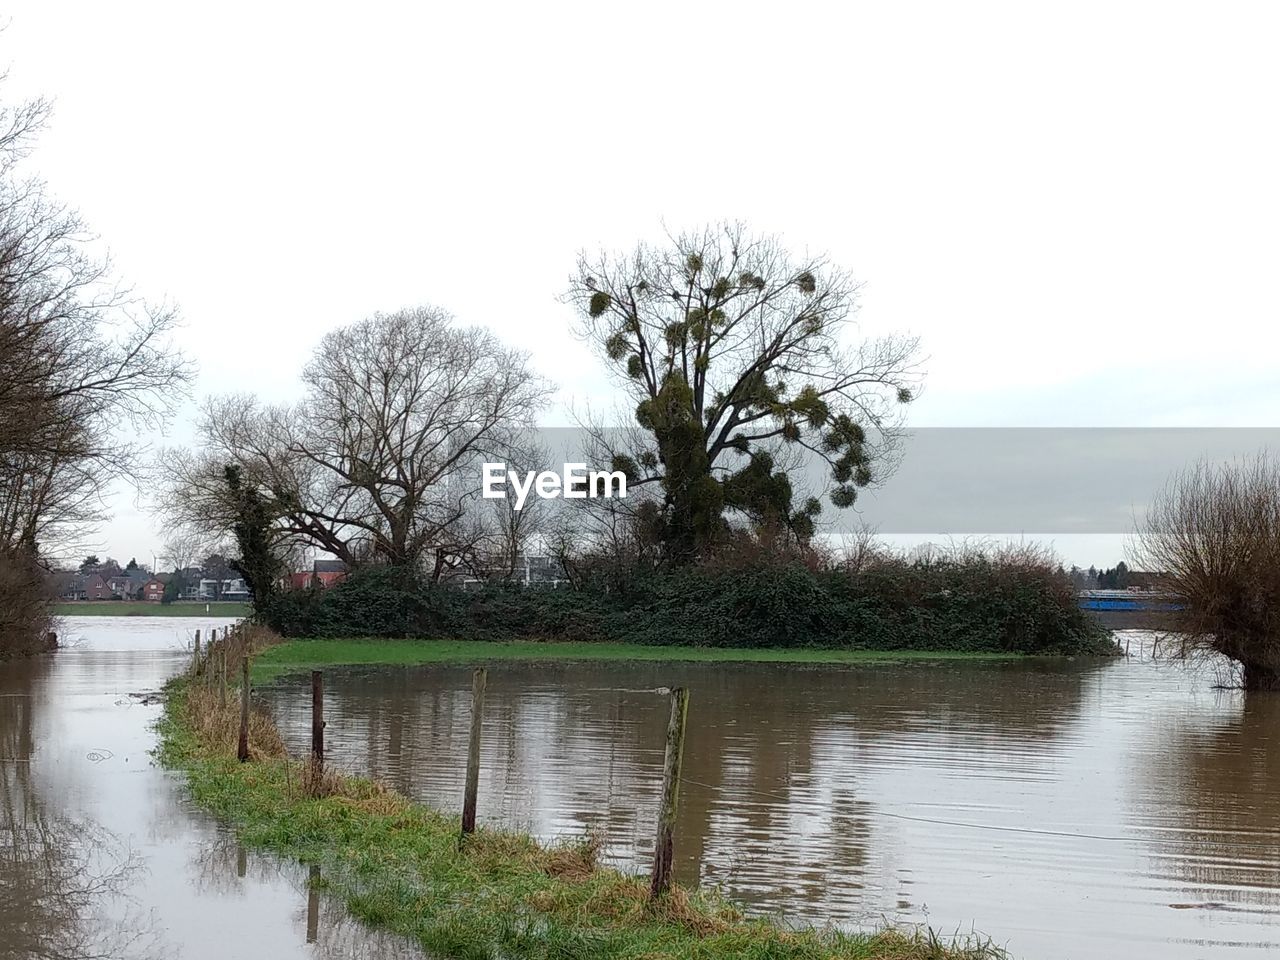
[(970, 605)]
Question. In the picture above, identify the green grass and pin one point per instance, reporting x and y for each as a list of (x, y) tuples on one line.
[(398, 866), (140, 608), (299, 655)]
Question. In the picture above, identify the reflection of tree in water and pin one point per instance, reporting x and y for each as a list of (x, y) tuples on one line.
[(222, 865), (773, 805), (1210, 796), (339, 937), (63, 881)]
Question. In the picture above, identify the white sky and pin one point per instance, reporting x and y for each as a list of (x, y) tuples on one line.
[(1075, 206)]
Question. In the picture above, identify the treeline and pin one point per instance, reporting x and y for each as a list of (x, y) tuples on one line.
[(1010, 601), (1119, 577), (739, 362)]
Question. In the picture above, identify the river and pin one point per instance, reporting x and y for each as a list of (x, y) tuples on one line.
[(1067, 809)]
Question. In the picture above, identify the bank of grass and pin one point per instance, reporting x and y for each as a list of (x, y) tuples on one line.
[(141, 608), (398, 866), (298, 655)]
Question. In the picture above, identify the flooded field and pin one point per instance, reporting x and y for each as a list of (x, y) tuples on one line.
[(1067, 809), (101, 855)]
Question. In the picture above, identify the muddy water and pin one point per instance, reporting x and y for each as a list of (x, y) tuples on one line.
[(1068, 810), (101, 855)]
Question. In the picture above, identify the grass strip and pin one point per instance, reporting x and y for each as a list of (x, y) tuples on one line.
[(298, 655), (398, 866)]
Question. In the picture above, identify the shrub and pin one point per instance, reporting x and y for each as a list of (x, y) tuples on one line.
[(1003, 603)]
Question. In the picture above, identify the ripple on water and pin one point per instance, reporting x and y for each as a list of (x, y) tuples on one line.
[(1061, 807)]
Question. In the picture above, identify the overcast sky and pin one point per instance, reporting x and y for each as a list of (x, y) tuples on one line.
[(1075, 207)]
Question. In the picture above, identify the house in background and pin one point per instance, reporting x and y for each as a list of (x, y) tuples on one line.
[(97, 588), (329, 572), (324, 574), (153, 590), (67, 585), (233, 589)]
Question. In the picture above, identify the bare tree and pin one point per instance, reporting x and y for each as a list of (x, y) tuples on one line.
[(727, 344), (1214, 533), (382, 458), (183, 549), (83, 362)]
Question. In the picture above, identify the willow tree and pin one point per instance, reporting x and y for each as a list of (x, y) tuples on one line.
[(1213, 533), (734, 350)]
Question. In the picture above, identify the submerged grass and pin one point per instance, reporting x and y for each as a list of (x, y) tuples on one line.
[(398, 866), (296, 655)]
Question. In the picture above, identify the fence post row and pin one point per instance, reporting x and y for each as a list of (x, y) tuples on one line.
[(664, 844), (663, 848)]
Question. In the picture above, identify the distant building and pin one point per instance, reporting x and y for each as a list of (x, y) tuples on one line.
[(153, 590), (329, 572), (530, 571), (67, 585), (232, 589), (96, 588), (323, 575), (235, 589)]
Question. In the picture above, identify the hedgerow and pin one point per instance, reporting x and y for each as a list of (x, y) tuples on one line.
[(972, 603)]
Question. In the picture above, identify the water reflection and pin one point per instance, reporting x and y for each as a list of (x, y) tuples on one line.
[(775, 757), (102, 854), (65, 880), (1209, 792), (224, 869), (1069, 809), (1064, 807)]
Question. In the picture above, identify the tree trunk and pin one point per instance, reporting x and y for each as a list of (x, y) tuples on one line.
[(1261, 677)]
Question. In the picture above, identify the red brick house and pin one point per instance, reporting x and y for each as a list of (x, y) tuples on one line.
[(329, 572), (153, 590), (97, 588), (324, 574)]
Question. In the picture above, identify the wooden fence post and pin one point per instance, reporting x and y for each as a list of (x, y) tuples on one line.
[(663, 848), (317, 719), (478, 682), (207, 664), (242, 749), (195, 656), (222, 676)]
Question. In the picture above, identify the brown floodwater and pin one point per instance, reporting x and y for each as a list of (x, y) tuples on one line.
[(1069, 809), (101, 853), (1065, 809)]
